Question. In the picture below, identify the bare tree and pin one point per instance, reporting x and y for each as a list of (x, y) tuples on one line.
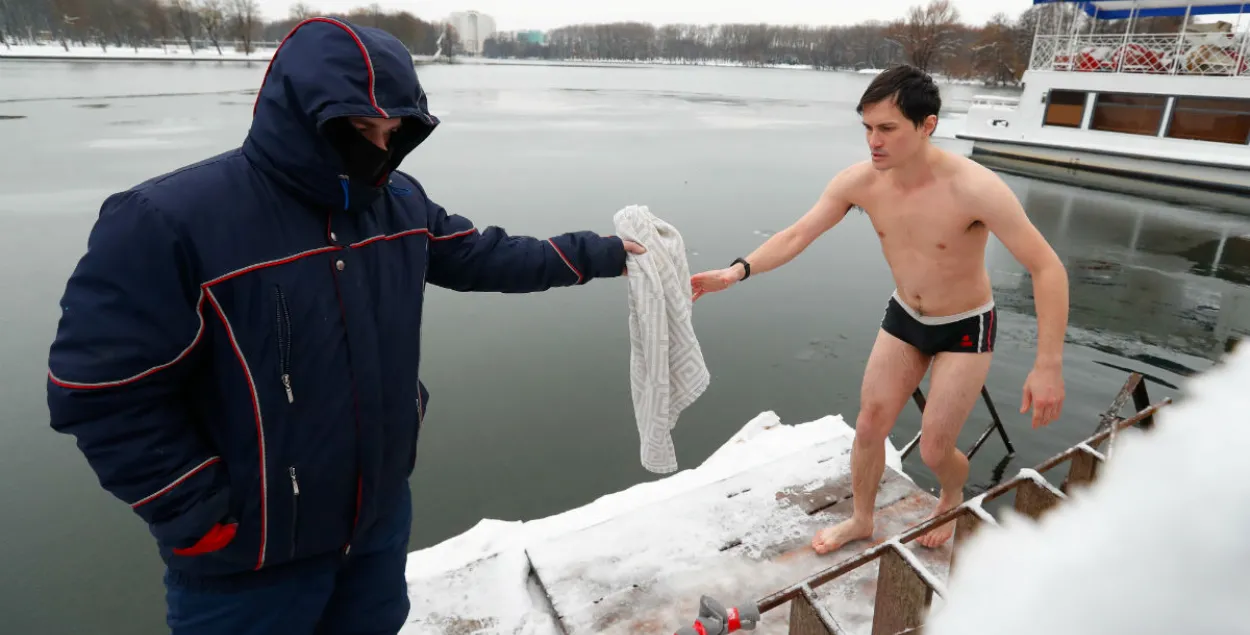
[(930, 36), (300, 11), (8, 23), (185, 18), (994, 56), (213, 20), (157, 20), (928, 33), (244, 21)]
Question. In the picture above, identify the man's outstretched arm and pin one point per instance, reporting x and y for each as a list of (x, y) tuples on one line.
[(788, 243), (1006, 218), (464, 258)]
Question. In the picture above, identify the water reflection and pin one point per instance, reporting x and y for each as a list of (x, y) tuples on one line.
[(1138, 271)]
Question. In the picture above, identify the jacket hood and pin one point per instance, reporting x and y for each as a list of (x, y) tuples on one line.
[(327, 68)]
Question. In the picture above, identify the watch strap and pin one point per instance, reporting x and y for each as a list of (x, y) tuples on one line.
[(746, 266)]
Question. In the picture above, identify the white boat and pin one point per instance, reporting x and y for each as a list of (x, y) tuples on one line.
[(1166, 115)]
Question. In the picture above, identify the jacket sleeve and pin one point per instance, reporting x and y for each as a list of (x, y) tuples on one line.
[(129, 335), (463, 258)]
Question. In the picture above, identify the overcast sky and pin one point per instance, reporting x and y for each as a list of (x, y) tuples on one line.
[(512, 15)]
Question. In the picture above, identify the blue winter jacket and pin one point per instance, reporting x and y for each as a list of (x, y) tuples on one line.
[(239, 346)]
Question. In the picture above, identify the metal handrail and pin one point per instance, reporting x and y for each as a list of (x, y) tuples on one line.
[(904, 576)]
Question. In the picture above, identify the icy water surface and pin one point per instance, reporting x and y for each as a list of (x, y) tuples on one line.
[(531, 411)]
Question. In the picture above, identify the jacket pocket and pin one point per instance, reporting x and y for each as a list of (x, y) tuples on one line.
[(423, 400), (284, 342), (294, 510)]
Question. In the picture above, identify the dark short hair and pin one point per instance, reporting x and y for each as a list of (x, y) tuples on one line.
[(912, 90)]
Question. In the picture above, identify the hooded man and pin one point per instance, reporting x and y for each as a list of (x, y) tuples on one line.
[(238, 351)]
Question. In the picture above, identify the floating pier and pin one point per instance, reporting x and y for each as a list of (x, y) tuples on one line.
[(746, 539)]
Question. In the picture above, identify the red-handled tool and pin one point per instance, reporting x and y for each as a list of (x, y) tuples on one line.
[(715, 619)]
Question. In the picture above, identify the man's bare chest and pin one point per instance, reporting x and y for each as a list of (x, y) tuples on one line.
[(933, 228)]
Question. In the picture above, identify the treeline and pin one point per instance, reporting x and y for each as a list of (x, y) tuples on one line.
[(196, 24), (930, 36)]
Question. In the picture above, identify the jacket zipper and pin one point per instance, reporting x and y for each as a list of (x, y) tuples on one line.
[(284, 343), (294, 509)]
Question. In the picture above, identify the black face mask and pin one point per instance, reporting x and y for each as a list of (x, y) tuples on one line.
[(363, 161)]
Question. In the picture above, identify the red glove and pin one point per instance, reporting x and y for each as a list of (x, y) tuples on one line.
[(216, 538)]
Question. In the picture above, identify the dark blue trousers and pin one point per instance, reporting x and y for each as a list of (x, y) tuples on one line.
[(365, 595)]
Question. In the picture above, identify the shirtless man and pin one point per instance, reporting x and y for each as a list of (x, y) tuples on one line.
[(933, 212)]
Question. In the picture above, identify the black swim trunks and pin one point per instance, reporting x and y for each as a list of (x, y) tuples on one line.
[(968, 332)]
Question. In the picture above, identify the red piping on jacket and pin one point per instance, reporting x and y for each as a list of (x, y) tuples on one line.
[(364, 53), (260, 428), (175, 483), (199, 334), (566, 260), (204, 287)]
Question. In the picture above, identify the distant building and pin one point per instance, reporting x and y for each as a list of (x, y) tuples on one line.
[(473, 27), (532, 37), (524, 37)]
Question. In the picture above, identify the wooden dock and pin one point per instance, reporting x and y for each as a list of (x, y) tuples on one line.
[(736, 540), (745, 541)]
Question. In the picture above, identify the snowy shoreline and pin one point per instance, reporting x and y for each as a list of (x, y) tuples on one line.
[(53, 51)]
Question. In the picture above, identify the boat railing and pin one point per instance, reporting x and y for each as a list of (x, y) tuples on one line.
[(1197, 53), (995, 101)]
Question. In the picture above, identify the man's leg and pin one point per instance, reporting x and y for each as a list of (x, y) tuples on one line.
[(289, 607), (894, 370), (371, 593), (954, 389)]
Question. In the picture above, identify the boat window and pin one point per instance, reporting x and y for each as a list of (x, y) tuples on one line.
[(1222, 120), (1128, 113), (1065, 108)]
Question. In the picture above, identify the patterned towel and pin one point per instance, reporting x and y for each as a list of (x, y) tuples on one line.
[(667, 372)]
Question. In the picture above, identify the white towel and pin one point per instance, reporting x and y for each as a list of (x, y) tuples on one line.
[(667, 372)]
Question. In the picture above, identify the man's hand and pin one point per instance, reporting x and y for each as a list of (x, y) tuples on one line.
[(713, 281), (1043, 390), (633, 248)]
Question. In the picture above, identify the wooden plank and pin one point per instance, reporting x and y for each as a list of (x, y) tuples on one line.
[(965, 527), (804, 620), (902, 597), (1141, 400), (743, 537), (1082, 470), (1033, 500), (1112, 413), (835, 495), (848, 599)]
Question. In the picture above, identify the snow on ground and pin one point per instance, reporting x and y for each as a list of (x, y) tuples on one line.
[(1157, 545), (1154, 546), (480, 580), (54, 50)]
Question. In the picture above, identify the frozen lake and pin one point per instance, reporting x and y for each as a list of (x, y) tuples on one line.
[(530, 410)]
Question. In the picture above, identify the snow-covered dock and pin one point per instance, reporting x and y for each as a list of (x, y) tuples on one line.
[(737, 528)]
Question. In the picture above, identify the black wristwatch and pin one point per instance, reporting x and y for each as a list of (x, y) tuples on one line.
[(745, 265)]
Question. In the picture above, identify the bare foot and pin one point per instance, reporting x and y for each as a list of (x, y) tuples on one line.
[(939, 535), (833, 538)]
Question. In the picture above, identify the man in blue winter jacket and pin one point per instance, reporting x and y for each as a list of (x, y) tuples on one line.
[(238, 349)]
